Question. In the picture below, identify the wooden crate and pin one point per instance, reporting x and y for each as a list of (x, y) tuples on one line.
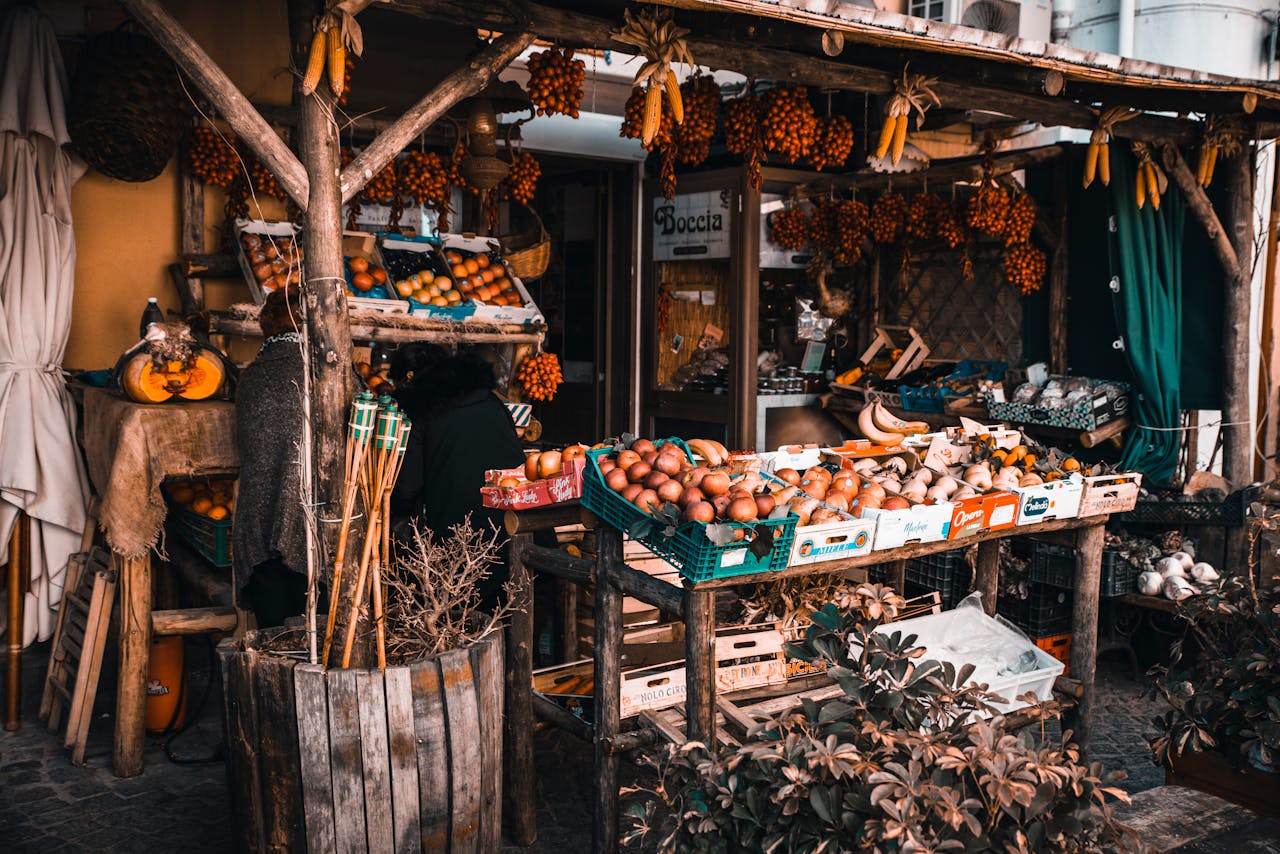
[(1213, 774)]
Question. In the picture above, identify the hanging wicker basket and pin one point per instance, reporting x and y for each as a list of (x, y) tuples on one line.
[(128, 109), (528, 255)]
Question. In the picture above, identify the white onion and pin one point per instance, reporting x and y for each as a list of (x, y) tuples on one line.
[(1204, 572), (1185, 559), (1170, 566), (1177, 588), (1189, 547), (1150, 583)]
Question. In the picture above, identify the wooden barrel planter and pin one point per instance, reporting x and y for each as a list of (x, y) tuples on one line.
[(409, 759), (1213, 774)]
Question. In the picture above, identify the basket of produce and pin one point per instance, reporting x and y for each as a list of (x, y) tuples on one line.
[(961, 382), (127, 109), (695, 517), (1073, 403), (201, 514)]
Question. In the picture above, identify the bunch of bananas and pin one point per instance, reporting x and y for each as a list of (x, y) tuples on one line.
[(1022, 219), (701, 96), (911, 92), (661, 43), (922, 215), (539, 377), (555, 82), (742, 135), (834, 143), (522, 180), (788, 124), (212, 159), (949, 225), (1025, 266), (789, 228), (988, 209), (888, 215), (336, 34)]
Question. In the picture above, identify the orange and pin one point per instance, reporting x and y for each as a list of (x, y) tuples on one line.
[(443, 282), (482, 260), (422, 295), (358, 264), (439, 301), (486, 276), (202, 504), (182, 494), (453, 256), (472, 265), (453, 297), (217, 512), (459, 271)]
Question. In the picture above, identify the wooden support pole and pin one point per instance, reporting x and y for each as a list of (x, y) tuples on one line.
[(1237, 447), (1058, 332), (700, 664), (986, 577), (230, 103), (194, 621), (608, 689), (518, 773), (19, 571), (1084, 629), (462, 83), (135, 651)]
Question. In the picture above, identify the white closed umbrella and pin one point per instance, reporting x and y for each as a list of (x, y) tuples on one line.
[(40, 467)]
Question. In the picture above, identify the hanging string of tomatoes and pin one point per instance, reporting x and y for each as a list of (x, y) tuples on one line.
[(539, 377)]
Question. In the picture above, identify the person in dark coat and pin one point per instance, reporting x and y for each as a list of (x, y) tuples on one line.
[(461, 429), (269, 540)]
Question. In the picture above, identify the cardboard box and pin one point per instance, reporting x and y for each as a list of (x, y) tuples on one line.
[(1110, 493), (566, 486), (527, 312), (261, 228), (817, 543), (993, 511), (798, 457), (1057, 499), (922, 523)]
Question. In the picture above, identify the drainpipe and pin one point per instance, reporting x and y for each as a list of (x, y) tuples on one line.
[(1124, 27), (1061, 27)]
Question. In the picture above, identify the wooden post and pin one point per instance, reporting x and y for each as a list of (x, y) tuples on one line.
[(568, 595), (19, 571), (986, 577), (1058, 332), (700, 664), (1084, 628), (328, 322), (608, 689), (518, 777), (231, 104), (135, 647), (1237, 450)]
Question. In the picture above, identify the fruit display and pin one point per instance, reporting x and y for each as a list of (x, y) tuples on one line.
[(1021, 220), (424, 177), (1025, 266), (693, 136), (911, 92), (522, 180), (834, 143), (988, 209), (742, 135), (373, 380), (888, 217), (212, 158), (539, 376), (365, 279), (922, 215), (274, 261), (555, 82), (882, 427), (661, 42), (482, 278), (789, 228), (1097, 159), (540, 465), (213, 499), (788, 123), (547, 477)]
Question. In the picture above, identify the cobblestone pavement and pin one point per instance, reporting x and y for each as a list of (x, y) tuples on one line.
[(47, 804)]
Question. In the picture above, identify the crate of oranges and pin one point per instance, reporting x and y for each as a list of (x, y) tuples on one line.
[(201, 511), (497, 293)]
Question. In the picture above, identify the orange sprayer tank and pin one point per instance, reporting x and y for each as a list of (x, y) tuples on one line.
[(166, 681)]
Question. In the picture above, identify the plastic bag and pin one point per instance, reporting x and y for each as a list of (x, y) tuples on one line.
[(973, 637)]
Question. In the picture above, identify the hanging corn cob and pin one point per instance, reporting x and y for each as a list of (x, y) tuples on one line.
[(661, 43), (1150, 181), (1097, 160), (1221, 138), (336, 34), (911, 92)]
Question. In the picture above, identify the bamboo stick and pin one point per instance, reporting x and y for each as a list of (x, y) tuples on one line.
[(360, 431)]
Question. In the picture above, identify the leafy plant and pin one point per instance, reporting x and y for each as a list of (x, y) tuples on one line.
[(1226, 695), (894, 763)]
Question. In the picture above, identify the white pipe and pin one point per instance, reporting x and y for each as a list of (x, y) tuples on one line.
[(1063, 12), (1124, 27)]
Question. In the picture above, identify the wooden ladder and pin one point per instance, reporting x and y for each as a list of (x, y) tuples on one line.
[(71, 684)]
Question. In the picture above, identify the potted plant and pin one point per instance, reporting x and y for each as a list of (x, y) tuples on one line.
[(1222, 732), (896, 762)]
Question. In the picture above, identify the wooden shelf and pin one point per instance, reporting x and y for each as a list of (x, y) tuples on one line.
[(369, 326)]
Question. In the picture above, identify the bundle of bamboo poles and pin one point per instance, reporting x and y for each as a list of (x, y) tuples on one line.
[(377, 437)]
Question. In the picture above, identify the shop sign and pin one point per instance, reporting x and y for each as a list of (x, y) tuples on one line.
[(692, 226)]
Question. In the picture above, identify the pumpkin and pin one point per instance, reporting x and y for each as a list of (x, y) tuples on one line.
[(149, 380)]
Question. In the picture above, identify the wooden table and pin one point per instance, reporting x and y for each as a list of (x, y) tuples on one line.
[(695, 605)]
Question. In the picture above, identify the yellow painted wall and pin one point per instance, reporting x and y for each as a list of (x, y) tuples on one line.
[(128, 233)]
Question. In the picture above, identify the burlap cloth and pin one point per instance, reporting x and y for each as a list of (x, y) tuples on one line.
[(132, 447)]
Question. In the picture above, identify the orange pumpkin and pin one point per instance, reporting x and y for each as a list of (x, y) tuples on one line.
[(147, 381)]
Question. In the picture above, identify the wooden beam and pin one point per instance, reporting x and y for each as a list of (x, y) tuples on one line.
[(367, 330), (570, 28), (1058, 331), (231, 104), (969, 169), (462, 83), (194, 621), (1237, 430), (1201, 207)]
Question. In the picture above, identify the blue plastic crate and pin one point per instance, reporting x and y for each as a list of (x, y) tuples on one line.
[(933, 398), (688, 549)]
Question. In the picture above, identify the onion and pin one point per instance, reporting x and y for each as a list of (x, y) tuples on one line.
[(1177, 588), (1185, 559), (1150, 583), (1204, 573), (1169, 567)]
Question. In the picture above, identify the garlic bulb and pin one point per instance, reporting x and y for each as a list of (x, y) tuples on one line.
[(1185, 559), (1170, 566), (1177, 588), (1204, 573), (1150, 583)]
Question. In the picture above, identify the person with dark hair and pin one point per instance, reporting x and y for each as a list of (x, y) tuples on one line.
[(269, 540), (461, 429)]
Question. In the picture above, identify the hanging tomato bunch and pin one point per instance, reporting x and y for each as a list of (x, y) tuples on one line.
[(212, 158), (922, 215), (522, 181), (555, 82), (788, 123), (264, 182), (701, 97), (949, 225), (988, 209), (1021, 220), (888, 216), (425, 179), (539, 377), (789, 228), (834, 143), (382, 187), (1025, 266), (742, 135), (853, 224)]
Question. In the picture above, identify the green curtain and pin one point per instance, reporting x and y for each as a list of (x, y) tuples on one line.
[(1147, 258)]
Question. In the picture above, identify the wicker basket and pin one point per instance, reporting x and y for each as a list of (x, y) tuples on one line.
[(128, 109), (527, 255)]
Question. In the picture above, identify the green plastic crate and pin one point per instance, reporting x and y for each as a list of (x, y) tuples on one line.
[(688, 549), (210, 537)]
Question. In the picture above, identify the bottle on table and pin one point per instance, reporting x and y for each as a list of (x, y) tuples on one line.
[(151, 314)]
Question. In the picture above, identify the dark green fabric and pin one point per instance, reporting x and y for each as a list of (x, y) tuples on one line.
[(1147, 254)]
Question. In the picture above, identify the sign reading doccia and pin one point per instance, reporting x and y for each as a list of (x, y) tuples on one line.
[(695, 225)]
